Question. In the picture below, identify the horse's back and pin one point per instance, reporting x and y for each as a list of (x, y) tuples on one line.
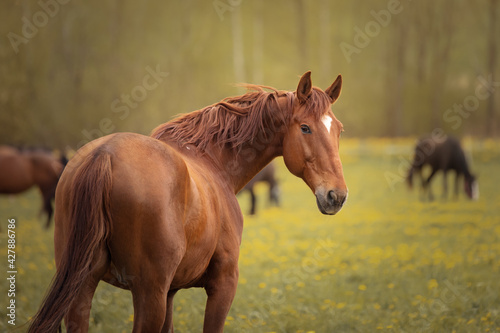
[(440, 154), (454, 155), (143, 169), (46, 169), (160, 204), (150, 179), (16, 172)]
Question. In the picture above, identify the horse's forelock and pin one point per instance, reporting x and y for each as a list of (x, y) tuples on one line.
[(318, 103)]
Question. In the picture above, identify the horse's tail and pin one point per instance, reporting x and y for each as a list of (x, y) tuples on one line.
[(90, 227)]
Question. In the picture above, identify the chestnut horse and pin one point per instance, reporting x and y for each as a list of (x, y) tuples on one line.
[(265, 175), (157, 214), (22, 169)]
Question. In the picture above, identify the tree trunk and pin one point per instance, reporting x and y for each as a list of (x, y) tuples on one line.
[(397, 79), (325, 56), (491, 122), (258, 41), (441, 55), (301, 36)]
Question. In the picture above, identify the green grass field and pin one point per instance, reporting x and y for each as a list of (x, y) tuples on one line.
[(387, 261)]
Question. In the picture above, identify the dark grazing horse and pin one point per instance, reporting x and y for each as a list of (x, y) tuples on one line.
[(21, 169), (266, 175), (157, 214), (445, 155)]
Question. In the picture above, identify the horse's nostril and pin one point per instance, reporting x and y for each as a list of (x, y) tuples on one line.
[(332, 198), (335, 198)]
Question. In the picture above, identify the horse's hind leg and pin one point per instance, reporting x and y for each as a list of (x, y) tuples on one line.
[(428, 184), (445, 184), (274, 192), (457, 179), (253, 202), (150, 293), (220, 292), (150, 304), (151, 285), (77, 318), (418, 173), (47, 196), (168, 326), (47, 206)]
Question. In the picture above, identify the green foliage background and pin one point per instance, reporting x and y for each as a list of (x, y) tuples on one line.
[(64, 78)]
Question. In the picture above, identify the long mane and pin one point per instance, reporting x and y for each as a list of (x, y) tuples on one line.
[(237, 120)]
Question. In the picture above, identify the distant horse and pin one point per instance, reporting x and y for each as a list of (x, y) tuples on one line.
[(157, 214), (444, 155), (266, 175), (22, 169)]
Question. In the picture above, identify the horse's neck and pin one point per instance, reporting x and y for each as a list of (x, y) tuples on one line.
[(465, 170), (239, 167), (463, 166)]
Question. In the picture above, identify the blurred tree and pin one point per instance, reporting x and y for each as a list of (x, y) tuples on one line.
[(491, 121), (423, 21), (63, 77), (325, 33), (302, 31), (396, 72), (238, 52), (443, 30), (258, 43)]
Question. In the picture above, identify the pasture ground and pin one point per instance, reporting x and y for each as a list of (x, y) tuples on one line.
[(388, 261)]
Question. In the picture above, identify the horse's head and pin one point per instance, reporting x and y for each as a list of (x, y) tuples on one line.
[(471, 187), (311, 144)]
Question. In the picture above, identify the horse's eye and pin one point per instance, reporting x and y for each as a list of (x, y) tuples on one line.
[(305, 129)]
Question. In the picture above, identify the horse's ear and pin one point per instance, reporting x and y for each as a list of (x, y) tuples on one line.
[(305, 87), (334, 90)]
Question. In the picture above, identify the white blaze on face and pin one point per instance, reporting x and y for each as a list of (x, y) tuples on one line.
[(327, 121)]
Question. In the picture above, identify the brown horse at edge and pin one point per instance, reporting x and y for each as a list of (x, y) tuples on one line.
[(22, 169), (157, 214)]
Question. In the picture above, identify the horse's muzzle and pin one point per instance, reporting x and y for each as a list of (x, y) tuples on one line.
[(331, 202)]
